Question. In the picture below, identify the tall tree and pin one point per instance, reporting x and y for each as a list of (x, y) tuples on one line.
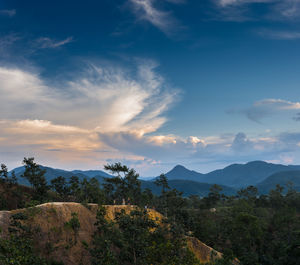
[(125, 185), (36, 177)]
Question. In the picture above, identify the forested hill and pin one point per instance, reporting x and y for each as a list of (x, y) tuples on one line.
[(52, 173), (286, 179)]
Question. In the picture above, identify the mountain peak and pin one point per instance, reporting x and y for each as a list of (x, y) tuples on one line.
[(179, 167)]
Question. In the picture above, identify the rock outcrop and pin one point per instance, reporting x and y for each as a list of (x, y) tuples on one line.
[(55, 240)]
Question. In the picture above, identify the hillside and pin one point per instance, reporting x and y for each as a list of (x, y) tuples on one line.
[(52, 173), (57, 241), (187, 187), (235, 175), (281, 178)]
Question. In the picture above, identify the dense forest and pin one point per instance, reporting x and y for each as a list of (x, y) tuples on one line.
[(255, 229)]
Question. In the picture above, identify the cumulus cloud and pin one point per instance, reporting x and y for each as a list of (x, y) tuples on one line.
[(163, 20)]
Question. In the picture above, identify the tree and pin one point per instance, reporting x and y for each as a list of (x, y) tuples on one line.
[(74, 187), (135, 238), (90, 191), (125, 185), (163, 182), (60, 185), (4, 173), (36, 177), (250, 193), (214, 195)]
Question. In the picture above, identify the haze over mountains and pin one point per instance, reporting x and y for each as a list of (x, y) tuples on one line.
[(261, 174)]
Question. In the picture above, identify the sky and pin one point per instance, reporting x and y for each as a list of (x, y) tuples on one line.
[(149, 83)]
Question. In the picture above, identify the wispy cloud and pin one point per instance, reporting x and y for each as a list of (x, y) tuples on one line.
[(279, 35), (267, 107), (48, 43), (7, 41), (275, 10), (8, 12), (163, 20), (288, 8), (104, 98)]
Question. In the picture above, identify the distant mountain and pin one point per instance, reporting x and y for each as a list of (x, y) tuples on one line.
[(188, 187), (235, 175), (264, 175), (180, 172), (91, 173), (281, 178), (52, 173)]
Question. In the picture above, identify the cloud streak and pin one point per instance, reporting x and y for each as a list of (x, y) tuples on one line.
[(163, 20), (241, 9), (279, 35), (48, 43)]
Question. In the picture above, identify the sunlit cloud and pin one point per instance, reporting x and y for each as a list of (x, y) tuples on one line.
[(69, 117)]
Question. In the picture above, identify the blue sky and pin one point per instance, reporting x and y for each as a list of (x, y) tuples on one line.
[(150, 83)]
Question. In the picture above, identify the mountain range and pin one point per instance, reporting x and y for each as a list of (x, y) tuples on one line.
[(52, 173), (261, 174), (235, 175)]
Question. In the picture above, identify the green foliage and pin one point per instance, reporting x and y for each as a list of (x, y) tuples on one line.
[(125, 186), (18, 248), (60, 186), (74, 224), (163, 182), (36, 177), (255, 229), (136, 239)]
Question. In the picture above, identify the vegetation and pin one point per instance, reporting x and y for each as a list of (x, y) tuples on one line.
[(255, 229)]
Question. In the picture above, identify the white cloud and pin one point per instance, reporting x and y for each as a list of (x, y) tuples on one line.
[(38, 117), (163, 20), (104, 99), (110, 114), (48, 43)]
